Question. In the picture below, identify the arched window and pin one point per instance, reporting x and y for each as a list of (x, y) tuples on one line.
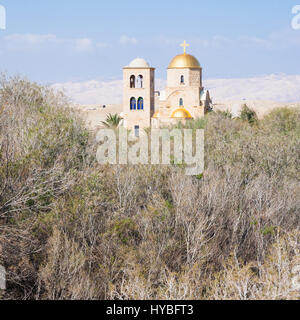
[(140, 104), (132, 81), (180, 102), (132, 104), (139, 82), (182, 79)]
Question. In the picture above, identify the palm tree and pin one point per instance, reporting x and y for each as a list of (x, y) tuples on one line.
[(112, 121)]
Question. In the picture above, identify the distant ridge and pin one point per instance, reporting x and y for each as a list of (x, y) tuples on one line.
[(274, 87)]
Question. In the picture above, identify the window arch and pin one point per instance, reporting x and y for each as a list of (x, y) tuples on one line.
[(132, 81), (139, 81), (180, 102), (132, 104), (182, 79), (140, 103)]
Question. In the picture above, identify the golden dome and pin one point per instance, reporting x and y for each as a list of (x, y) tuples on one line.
[(181, 113), (156, 115), (183, 61)]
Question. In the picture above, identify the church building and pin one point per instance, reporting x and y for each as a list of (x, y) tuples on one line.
[(183, 99)]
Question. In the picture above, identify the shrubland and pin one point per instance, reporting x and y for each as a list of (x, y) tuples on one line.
[(73, 229)]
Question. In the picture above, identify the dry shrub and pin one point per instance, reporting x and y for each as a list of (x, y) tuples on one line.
[(274, 280), (71, 229), (65, 274)]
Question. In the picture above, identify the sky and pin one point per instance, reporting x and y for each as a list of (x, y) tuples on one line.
[(66, 40)]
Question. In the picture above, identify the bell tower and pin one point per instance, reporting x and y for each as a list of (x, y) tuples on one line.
[(138, 95)]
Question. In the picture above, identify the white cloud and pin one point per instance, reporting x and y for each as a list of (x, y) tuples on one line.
[(128, 40), (220, 42), (281, 88), (18, 42), (83, 44), (279, 39), (102, 45), (29, 38), (216, 41)]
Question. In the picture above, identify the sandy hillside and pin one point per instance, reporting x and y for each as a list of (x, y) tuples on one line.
[(261, 107)]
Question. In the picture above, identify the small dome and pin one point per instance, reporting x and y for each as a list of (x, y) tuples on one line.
[(139, 63), (183, 61), (181, 113), (156, 115)]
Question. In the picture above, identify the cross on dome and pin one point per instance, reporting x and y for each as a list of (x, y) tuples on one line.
[(184, 45)]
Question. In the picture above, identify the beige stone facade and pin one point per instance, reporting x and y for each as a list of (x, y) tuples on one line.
[(136, 114), (183, 99)]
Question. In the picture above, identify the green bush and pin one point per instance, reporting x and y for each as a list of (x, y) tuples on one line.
[(248, 115), (283, 120)]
